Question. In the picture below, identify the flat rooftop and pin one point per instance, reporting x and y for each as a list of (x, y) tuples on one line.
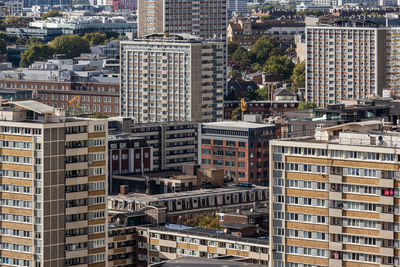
[(210, 233), (244, 125), (201, 262), (154, 175), (202, 192)]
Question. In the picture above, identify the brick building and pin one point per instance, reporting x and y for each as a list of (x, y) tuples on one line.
[(54, 83), (245, 32), (239, 147), (263, 108), (128, 155)]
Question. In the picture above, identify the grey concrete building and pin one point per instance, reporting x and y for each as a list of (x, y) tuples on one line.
[(175, 77)]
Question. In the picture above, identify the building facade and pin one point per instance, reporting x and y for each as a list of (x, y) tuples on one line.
[(127, 155), (344, 63), (56, 82), (206, 19), (158, 243), (53, 180), (172, 78), (335, 197), (238, 147), (238, 7), (180, 206), (245, 33)]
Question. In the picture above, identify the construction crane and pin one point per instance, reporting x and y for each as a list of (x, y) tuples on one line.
[(74, 103)]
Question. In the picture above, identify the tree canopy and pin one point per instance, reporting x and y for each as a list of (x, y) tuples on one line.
[(36, 52), (299, 75), (14, 21), (232, 47), (307, 105), (51, 13), (242, 56), (203, 221), (95, 38), (70, 45), (236, 114), (261, 49), (3, 46), (279, 64), (235, 74)]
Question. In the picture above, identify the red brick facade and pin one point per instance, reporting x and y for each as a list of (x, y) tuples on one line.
[(95, 97)]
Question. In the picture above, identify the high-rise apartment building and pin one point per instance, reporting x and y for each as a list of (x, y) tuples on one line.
[(344, 63), (53, 179), (206, 19), (172, 78), (335, 197)]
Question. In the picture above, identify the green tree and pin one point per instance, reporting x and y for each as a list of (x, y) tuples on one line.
[(3, 46), (232, 47), (299, 75), (36, 52), (99, 116), (95, 38), (261, 48), (236, 114), (203, 221), (51, 14), (241, 55), (307, 105), (279, 64), (8, 38), (267, 17), (262, 93), (276, 51), (34, 40), (13, 21), (70, 45), (235, 74), (21, 41)]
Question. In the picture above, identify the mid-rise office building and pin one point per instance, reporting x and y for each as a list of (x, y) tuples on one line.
[(206, 19), (344, 62), (53, 180), (238, 147), (335, 197), (172, 78)]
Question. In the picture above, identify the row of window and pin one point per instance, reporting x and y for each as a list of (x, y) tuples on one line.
[(336, 153)]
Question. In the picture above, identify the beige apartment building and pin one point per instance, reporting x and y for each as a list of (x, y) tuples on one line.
[(335, 198), (53, 180), (344, 63), (172, 77), (205, 19)]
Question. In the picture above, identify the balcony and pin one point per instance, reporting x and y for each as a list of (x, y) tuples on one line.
[(387, 183), (335, 229), (335, 246), (76, 137), (386, 200), (388, 252), (335, 178), (335, 263), (76, 166), (335, 195), (76, 151), (76, 253), (385, 234), (387, 217), (335, 212)]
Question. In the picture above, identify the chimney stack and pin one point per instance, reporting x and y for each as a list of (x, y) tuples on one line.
[(123, 189)]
